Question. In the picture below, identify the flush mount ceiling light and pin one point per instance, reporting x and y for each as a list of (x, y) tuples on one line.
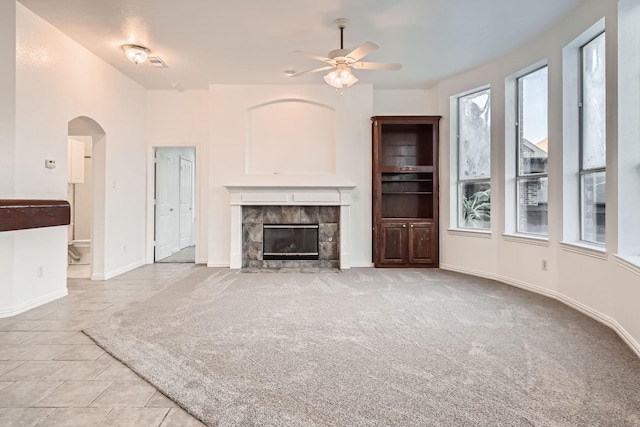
[(136, 54), (340, 61)]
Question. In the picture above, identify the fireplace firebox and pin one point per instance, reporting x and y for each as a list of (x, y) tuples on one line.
[(290, 242)]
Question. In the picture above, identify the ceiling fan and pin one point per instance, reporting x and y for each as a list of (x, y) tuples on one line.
[(340, 61)]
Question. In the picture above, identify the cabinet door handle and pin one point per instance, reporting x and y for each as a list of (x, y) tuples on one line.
[(411, 225), (404, 225)]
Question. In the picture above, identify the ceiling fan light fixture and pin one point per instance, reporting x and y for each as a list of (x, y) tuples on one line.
[(340, 77), (136, 54), (340, 61)]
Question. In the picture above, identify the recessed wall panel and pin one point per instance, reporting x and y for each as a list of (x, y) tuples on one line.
[(291, 137)]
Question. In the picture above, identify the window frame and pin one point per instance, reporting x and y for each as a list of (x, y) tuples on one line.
[(462, 181), (519, 175), (582, 171)]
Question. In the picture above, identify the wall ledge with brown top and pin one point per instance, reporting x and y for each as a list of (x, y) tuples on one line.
[(25, 214)]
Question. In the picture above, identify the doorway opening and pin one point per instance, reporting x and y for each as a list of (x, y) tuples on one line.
[(86, 159), (175, 237)]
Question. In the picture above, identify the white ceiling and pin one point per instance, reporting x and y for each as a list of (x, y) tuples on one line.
[(250, 41)]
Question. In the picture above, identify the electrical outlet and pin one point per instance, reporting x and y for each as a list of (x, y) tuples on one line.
[(544, 265)]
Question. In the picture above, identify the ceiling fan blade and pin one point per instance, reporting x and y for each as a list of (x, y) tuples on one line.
[(376, 66), (319, 58), (314, 70), (362, 51)]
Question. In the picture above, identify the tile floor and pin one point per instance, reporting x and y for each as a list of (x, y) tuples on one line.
[(51, 374), (79, 271)]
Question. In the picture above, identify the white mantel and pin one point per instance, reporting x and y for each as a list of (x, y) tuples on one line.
[(242, 195)]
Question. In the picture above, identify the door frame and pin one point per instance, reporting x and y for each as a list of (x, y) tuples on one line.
[(87, 126), (166, 203), (191, 237), (151, 177)]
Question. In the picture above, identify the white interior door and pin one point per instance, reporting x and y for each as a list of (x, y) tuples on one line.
[(186, 203), (163, 205)]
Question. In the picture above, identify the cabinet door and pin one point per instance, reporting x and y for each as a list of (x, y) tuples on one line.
[(421, 243), (393, 243)]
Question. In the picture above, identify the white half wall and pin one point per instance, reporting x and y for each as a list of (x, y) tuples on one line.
[(35, 272)]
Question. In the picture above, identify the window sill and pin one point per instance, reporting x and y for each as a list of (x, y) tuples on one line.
[(526, 238), (585, 249), (464, 232), (631, 263)]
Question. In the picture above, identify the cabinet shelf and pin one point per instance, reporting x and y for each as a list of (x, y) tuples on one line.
[(400, 169), (408, 192), (407, 180)]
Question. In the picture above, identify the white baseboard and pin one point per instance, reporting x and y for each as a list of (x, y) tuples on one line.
[(529, 287), (362, 265), (605, 320), (470, 271), (36, 302), (113, 273), (596, 315), (218, 264)]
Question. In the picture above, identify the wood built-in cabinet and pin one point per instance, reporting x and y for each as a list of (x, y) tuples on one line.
[(405, 191)]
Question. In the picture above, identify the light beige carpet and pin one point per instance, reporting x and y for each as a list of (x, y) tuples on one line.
[(371, 347)]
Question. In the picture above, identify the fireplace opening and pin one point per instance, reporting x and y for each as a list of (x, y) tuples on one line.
[(290, 242)]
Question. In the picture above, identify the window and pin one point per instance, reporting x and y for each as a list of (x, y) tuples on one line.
[(474, 160), (593, 153), (584, 140), (532, 182)]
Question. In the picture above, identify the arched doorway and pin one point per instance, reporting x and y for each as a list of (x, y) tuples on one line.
[(87, 232)]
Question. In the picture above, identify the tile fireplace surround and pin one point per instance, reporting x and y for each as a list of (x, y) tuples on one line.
[(325, 218), (289, 196)]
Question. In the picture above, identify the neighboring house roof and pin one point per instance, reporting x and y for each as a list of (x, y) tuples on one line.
[(538, 150), (543, 144)]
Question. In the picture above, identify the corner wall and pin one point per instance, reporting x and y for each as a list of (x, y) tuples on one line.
[(602, 288)]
